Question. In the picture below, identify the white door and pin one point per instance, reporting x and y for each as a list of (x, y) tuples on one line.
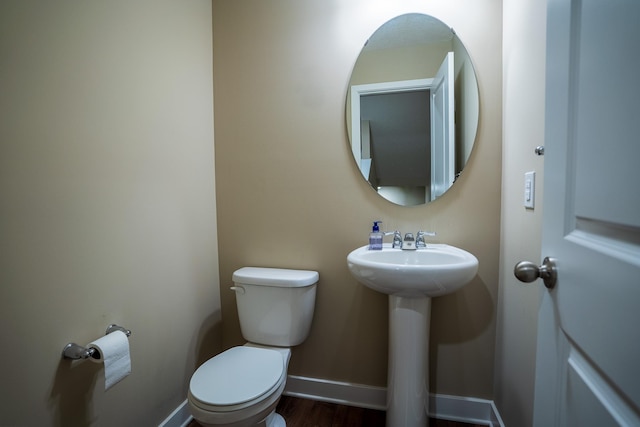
[(443, 128), (588, 357)]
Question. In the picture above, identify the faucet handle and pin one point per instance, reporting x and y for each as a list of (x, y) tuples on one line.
[(397, 239), (420, 243)]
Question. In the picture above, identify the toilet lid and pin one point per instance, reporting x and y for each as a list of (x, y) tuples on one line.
[(237, 375)]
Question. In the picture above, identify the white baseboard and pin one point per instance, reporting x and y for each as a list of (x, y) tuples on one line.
[(469, 410), (455, 408), (180, 417), (362, 396), (496, 419)]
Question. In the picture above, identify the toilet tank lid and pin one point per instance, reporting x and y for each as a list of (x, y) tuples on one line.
[(275, 277)]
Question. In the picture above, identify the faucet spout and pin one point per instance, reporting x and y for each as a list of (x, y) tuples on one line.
[(409, 243)]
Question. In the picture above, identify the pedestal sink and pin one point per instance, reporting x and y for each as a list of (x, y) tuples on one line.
[(411, 278)]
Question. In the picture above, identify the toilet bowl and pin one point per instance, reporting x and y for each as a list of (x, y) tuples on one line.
[(241, 386)]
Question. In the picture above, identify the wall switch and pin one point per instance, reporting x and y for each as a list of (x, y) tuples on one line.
[(529, 189)]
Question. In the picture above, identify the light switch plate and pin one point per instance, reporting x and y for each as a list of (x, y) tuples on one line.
[(529, 189)]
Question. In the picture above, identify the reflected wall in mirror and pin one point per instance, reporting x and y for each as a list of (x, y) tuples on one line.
[(412, 109)]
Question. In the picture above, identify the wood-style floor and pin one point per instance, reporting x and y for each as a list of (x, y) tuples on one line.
[(310, 413)]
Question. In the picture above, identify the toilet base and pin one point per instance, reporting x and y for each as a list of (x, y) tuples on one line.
[(275, 420)]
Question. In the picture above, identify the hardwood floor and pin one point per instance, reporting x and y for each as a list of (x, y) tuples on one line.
[(310, 413)]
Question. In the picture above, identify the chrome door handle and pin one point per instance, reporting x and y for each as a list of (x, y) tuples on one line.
[(527, 272)]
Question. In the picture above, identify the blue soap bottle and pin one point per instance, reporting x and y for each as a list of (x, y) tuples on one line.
[(375, 237)]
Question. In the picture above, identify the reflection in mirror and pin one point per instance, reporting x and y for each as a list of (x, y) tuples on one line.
[(412, 109)]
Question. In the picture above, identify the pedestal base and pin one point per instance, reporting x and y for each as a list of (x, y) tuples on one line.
[(408, 376)]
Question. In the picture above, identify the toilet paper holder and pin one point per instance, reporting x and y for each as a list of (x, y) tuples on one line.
[(75, 351)]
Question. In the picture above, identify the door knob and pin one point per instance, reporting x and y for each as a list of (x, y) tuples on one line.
[(527, 272)]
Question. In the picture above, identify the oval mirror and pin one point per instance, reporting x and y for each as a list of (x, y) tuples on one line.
[(412, 109)]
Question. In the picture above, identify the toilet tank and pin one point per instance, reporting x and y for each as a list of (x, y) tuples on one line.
[(275, 305)]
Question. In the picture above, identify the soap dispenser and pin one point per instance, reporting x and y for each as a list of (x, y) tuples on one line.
[(375, 237)]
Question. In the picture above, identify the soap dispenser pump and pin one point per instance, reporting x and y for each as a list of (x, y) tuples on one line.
[(375, 237)]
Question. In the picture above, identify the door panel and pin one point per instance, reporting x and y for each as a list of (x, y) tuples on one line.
[(590, 398), (443, 128), (588, 358), (606, 107)]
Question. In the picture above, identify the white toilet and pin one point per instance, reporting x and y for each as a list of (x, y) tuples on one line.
[(242, 385)]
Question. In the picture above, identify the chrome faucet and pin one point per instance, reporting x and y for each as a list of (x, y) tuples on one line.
[(409, 243), (397, 239), (420, 243)]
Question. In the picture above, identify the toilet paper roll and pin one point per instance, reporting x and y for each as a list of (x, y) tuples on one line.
[(112, 350)]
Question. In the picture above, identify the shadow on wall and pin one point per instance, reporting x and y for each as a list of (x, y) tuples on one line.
[(462, 316), (72, 392), (464, 312), (208, 341)]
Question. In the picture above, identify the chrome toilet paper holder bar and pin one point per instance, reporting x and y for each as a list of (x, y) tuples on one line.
[(75, 351)]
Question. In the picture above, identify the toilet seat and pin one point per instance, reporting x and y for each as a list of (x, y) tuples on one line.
[(237, 378)]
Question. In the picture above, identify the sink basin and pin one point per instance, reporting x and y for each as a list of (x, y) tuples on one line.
[(433, 271)]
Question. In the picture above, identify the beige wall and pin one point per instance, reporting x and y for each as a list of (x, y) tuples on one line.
[(107, 205), (523, 130), (290, 195), (108, 215), (403, 63)]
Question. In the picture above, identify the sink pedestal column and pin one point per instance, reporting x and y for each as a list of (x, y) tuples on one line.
[(408, 376)]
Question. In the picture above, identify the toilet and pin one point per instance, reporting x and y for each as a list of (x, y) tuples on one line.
[(242, 385)]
